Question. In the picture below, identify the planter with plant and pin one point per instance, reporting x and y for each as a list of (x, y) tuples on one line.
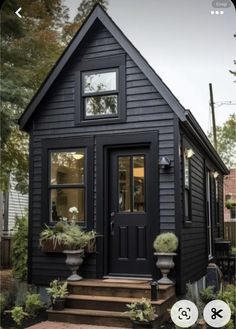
[(57, 291), (142, 314), (52, 238), (165, 246), (75, 242)]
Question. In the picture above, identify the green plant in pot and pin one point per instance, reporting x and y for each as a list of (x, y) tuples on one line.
[(75, 242), (165, 246), (58, 291), (52, 238), (142, 314)]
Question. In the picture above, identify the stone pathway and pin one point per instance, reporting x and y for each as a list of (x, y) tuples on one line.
[(63, 325)]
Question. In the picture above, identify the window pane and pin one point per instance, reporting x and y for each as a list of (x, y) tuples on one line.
[(124, 200), (186, 203), (99, 82), (67, 167), (100, 105), (138, 183), (186, 171), (63, 199)]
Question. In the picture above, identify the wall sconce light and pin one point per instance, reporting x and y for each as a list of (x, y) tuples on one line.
[(189, 153), (215, 174), (164, 162)]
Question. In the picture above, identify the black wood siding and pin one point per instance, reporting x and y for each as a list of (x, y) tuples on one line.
[(193, 246), (146, 110)]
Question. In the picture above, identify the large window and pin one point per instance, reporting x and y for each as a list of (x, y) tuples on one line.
[(67, 184), (67, 180), (100, 96), (100, 93)]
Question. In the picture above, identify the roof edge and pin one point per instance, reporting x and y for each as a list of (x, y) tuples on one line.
[(99, 13), (198, 131)]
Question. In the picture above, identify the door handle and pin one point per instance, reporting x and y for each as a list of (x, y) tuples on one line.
[(112, 224)]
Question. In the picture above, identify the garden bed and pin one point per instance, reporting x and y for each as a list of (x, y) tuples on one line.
[(8, 323)]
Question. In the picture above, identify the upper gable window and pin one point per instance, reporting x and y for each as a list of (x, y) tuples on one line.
[(100, 93)]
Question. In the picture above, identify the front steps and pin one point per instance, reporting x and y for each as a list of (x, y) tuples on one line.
[(101, 302)]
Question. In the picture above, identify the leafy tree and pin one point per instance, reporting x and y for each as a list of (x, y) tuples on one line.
[(83, 11), (29, 49), (226, 141)]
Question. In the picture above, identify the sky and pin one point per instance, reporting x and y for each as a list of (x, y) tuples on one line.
[(188, 45)]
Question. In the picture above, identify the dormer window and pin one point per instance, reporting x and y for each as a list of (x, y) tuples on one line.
[(100, 93)]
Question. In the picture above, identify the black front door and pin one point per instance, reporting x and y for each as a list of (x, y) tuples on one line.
[(129, 249)]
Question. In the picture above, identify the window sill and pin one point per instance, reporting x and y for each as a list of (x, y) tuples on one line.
[(100, 121), (188, 224)]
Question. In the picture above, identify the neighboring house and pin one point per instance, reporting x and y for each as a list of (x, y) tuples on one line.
[(230, 196), (109, 137), (13, 204)]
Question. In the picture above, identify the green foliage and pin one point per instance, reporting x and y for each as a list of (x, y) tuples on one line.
[(84, 9), (166, 242), (69, 235), (226, 140), (33, 304), (29, 49), (57, 289), (207, 294), (3, 302), (228, 295), (19, 252), (141, 311), (18, 314)]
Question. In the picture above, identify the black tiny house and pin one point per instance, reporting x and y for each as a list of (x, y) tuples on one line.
[(100, 128)]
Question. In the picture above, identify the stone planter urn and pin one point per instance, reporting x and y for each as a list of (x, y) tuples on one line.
[(74, 258), (165, 263)]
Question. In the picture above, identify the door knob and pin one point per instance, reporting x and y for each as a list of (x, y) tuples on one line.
[(112, 214)]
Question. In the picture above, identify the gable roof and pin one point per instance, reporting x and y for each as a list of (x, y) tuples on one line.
[(99, 14)]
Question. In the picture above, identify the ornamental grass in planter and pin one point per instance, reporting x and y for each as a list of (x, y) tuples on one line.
[(165, 246)]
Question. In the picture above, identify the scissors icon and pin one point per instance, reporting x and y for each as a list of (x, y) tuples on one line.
[(216, 313)]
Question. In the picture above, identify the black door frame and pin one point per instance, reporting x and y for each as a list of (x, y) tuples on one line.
[(104, 144)]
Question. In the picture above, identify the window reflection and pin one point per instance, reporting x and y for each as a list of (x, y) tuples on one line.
[(99, 82), (67, 167), (101, 105)]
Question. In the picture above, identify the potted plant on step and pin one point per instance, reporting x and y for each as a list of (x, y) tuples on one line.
[(57, 291), (75, 241), (165, 246), (142, 314)]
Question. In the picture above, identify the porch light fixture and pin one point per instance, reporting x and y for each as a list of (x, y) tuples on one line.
[(189, 153), (164, 162), (215, 174)]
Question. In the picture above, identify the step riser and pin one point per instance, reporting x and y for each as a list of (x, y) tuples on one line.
[(107, 291), (91, 320), (165, 294)]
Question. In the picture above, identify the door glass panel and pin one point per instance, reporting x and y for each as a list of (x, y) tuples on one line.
[(138, 183), (131, 183), (124, 200), (67, 167)]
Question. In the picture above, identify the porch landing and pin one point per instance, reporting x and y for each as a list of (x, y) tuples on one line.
[(103, 302)]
